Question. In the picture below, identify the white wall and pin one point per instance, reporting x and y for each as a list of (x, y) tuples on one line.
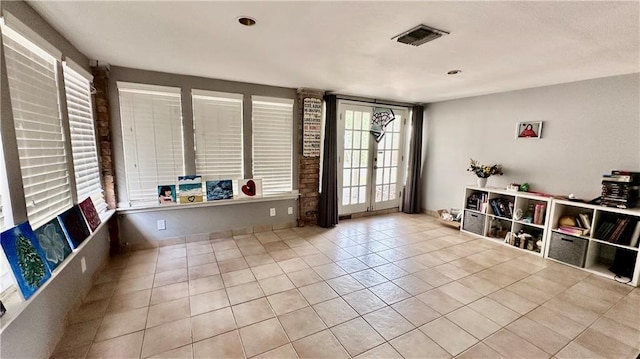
[(590, 128)]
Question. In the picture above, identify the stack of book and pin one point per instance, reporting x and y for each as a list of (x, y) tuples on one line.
[(621, 230), (476, 200), (621, 189), (582, 227)]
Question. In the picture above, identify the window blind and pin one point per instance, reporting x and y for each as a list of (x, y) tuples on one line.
[(83, 138), (151, 119), (217, 123), (272, 143), (33, 91)]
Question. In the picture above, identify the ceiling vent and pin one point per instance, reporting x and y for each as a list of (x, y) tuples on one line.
[(419, 35)]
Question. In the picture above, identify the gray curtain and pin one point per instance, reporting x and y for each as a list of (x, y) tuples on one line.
[(328, 206), (411, 200)]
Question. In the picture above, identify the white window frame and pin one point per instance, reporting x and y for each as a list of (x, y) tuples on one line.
[(218, 134), (83, 136), (272, 128), (28, 103), (167, 142)]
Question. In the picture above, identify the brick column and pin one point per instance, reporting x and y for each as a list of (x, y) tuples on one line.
[(309, 169), (103, 122)]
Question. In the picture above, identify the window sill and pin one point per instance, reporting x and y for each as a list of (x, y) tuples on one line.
[(13, 300), (223, 202)]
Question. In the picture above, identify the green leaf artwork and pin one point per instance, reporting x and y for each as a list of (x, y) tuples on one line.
[(33, 270)]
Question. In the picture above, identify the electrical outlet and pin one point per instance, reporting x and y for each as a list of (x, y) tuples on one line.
[(83, 264), (290, 210), (272, 212), (162, 224)]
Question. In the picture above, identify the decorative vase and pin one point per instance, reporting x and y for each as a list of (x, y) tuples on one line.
[(482, 182)]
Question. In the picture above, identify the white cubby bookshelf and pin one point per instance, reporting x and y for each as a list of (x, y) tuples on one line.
[(515, 212), (600, 251)]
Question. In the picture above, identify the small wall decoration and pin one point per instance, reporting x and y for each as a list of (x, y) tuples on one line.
[(529, 130), (379, 121), (217, 190), (311, 122), (74, 226), (190, 189), (53, 242), (167, 194), (250, 188), (26, 258), (90, 213)]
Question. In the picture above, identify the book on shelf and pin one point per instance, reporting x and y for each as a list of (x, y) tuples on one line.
[(621, 224), (585, 221), (539, 213), (604, 230), (635, 236), (502, 207), (576, 231)]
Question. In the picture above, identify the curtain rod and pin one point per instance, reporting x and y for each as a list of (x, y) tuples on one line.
[(372, 101)]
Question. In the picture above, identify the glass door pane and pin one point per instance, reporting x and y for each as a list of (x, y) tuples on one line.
[(387, 163), (354, 158)]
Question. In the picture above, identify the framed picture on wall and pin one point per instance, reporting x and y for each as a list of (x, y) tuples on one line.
[(531, 130)]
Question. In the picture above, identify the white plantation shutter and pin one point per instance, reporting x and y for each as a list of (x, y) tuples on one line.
[(273, 143), (152, 135), (33, 89), (83, 138), (217, 122)]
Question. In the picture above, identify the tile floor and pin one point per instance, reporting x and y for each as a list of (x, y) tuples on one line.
[(390, 286)]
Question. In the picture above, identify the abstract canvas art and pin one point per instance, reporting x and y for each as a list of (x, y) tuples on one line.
[(53, 242), (190, 189), (26, 258), (74, 226), (250, 188), (90, 213), (217, 190)]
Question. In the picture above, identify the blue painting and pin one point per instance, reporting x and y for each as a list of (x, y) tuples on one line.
[(74, 226), (217, 190), (26, 258), (53, 242)]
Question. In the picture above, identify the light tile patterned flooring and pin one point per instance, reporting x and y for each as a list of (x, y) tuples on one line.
[(390, 286)]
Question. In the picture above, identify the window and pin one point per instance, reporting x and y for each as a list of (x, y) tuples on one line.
[(83, 139), (32, 75), (217, 122), (151, 119), (272, 143)]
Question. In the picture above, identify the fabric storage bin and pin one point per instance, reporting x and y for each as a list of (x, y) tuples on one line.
[(568, 249), (473, 222)]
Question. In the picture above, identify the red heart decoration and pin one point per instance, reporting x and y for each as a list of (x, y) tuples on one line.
[(250, 188)]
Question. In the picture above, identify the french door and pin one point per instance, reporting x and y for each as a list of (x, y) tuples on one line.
[(370, 173)]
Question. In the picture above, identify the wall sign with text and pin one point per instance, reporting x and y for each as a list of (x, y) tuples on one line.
[(311, 122)]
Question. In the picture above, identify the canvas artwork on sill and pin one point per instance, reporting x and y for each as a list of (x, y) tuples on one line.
[(74, 226), (250, 188), (26, 258), (53, 242), (217, 190), (190, 189), (90, 213), (167, 194)]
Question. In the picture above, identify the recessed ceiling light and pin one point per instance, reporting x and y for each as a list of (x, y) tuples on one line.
[(247, 21), (454, 72)]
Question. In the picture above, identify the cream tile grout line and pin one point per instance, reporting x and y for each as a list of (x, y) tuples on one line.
[(347, 236)]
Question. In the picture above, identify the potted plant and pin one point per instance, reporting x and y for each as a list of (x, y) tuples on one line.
[(483, 171)]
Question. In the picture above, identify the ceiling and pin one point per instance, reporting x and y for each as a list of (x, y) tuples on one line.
[(346, 46)]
